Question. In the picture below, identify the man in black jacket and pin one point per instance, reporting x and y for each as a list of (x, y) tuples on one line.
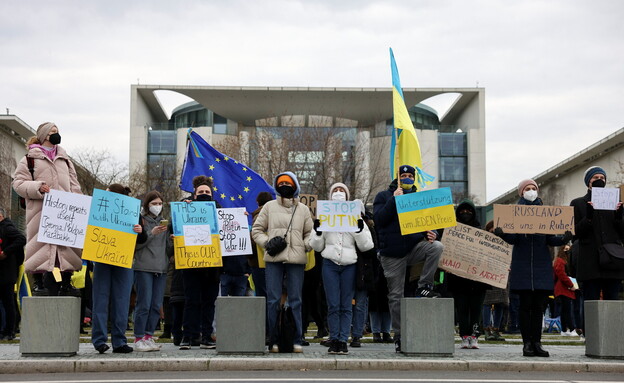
[(12, 244), (399, 251)]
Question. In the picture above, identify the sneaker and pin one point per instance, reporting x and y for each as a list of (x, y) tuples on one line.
[(465, 342), (207, 344), (377, 337), (387, 338), (333, 347), (397, 344), (152, 343), (426, 292), (355, 342), (185, 343), (342, 348), (297, 348), (274, 349), (473, 342), (124, 349), (142, 345), (102, 348)]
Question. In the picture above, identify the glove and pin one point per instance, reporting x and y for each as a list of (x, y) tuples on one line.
[(360, 225), (317, 224), (590, 212), (618, 212), (567, 236), (498, 232)]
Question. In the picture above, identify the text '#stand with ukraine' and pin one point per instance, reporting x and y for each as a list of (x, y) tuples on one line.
[(196, 230), (425, 210), (110, 235)]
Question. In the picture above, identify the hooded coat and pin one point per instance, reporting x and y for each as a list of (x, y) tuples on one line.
[(273, 220), (531, 262), (340, 248), (59, 174)]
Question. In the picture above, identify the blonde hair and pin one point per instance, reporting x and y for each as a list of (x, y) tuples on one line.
[(32, 141)]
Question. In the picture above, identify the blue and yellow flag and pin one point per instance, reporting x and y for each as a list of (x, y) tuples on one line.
[(235, 185), (403, 135)]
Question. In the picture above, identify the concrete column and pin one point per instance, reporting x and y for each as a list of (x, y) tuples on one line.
[(241, 323), (427, 326), (603, 329), (243, 140)]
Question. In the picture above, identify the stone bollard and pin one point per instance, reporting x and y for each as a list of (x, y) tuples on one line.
[(603, 329), (50, 326), (427, 326), (241, 325)]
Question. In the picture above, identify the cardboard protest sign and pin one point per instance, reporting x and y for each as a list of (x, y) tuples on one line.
[(605, 198), (64, 218), (532, 219), (425, 210), (310, 201), (198, 221), (110, 233), (338, 216), (234, 232), (476, 254)]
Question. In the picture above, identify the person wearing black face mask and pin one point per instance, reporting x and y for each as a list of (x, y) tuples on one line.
[(593, 228), (468, 295)]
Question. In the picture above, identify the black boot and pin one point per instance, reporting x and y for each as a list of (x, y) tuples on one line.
[(377, 337), (539, 350), (66, 289), (527, 350), (39, 289)]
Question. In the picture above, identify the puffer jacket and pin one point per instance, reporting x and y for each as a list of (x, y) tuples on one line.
[(273, 221), (151, 256), (59, 174)]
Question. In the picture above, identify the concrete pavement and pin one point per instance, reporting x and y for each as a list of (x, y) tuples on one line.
[(506, 356)]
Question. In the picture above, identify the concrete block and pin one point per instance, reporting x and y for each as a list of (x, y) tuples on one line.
[(604, 337), (50, 326), (427, 326), (241, 325)]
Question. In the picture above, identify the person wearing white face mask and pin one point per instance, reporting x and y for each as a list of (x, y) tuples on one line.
[(150, 272), (531, 275)]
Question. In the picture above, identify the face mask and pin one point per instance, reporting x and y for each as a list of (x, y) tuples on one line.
[(598, 184), (203, 197), (339, 196), (530, 195), (465, 217), (286, 191), (155, 209), (55, 139), (407, 183)]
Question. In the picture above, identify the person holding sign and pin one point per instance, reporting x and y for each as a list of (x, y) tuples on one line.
[(595, 228), (531, 275), (150, 272), (46, 166), (339, 267), (112, 286), (283, 229), (398, 251)]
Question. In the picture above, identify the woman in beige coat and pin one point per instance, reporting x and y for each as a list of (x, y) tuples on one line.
[(284, 216), (52, 170)]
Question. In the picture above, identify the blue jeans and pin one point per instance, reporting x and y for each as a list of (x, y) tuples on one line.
[(380, 322), (275, 273), (201, 288), (150, 291), (360, 312), (339, 283), (112, 286), (233, 285)]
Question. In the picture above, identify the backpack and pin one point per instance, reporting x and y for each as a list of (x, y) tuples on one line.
[(286, 330)]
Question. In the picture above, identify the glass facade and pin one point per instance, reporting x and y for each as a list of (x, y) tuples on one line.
[(453, 156)]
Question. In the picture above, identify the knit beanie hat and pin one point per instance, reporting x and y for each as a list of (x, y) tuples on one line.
[(524, 184), (339, 184), (407, 169), (285, 178), (589, 173), (43, 130)]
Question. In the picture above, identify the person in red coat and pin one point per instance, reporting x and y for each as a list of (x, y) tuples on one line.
[(564, 290)]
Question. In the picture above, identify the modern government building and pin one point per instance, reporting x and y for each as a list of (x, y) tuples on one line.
[(323, 135)]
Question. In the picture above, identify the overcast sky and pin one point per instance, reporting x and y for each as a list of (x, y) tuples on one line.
[(553, 71)]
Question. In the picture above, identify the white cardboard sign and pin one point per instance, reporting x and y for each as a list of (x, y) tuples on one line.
[(338, 216), (605, 198), (64, 218), (234, 232)]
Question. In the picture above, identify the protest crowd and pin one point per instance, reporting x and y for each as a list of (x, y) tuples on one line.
[(160, 275)]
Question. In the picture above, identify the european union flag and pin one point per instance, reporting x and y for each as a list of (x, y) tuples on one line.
[(235, 185)]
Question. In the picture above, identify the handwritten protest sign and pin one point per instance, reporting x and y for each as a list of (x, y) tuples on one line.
[(605, 198), (476, 254), (531, 219), (64, 218), (426, 210), (310, 201), (198, 220), (110, 236), (338, 216), (234, 232)]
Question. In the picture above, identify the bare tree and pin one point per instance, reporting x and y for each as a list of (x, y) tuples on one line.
[(101, 169), (161, 176), (7, 166)]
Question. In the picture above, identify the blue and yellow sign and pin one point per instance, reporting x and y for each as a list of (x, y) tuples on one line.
[(110, 234), (425, 210), (196, 231)]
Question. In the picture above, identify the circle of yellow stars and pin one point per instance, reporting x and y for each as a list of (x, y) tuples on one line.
[(223, 196)]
